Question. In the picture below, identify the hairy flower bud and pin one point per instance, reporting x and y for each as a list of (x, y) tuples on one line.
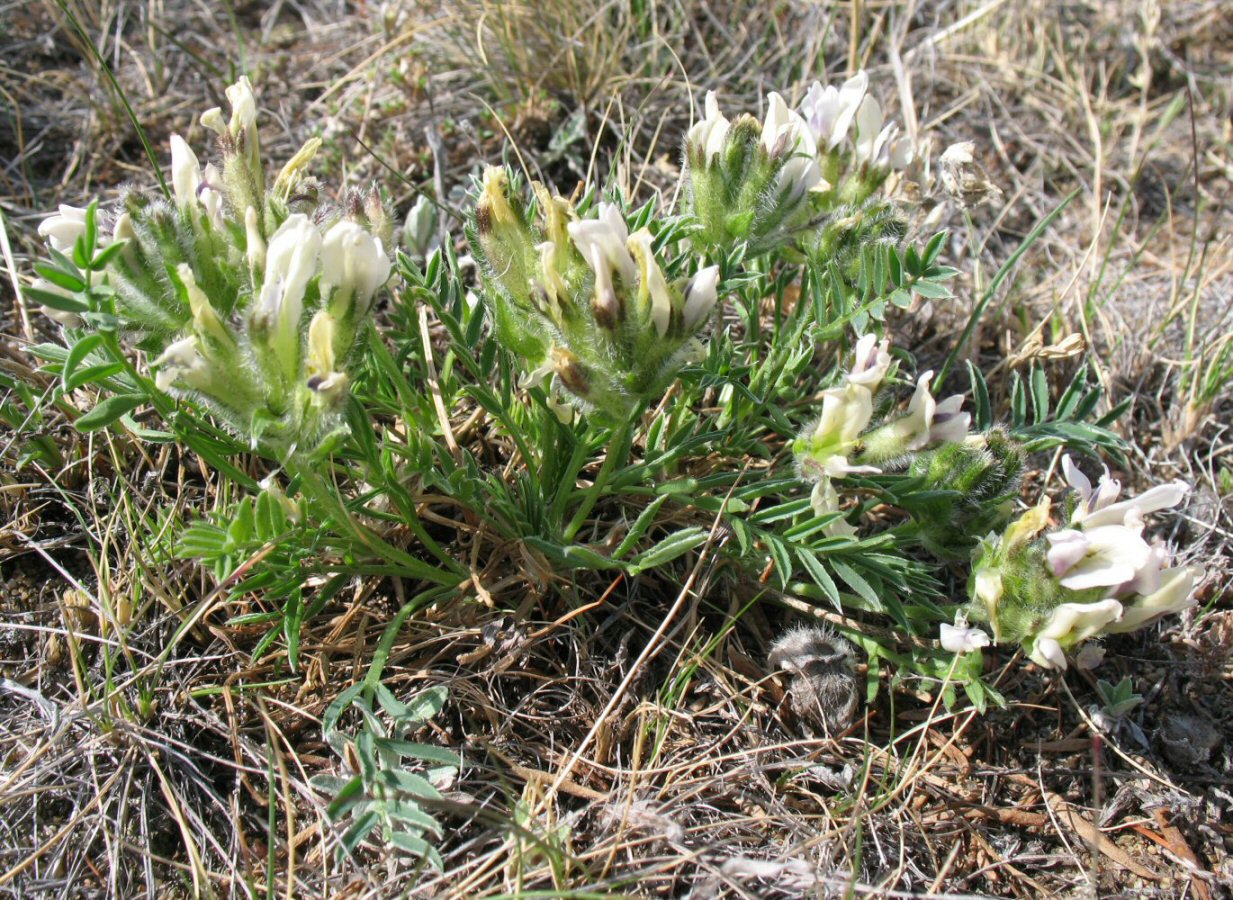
[(185, 174)]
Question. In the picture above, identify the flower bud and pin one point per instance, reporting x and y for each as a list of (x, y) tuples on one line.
[(205, 320), (243, 124), (419, 230), (185, 174), (700, 298), (254, 245), (293, 171)]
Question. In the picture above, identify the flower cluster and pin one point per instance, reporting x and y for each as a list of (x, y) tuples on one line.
[(781, 182), (586, 302), (247, 299), (1051, 588), (841, 442)]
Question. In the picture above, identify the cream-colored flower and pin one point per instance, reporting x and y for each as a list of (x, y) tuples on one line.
[(929, 422), (871, 362), (354, 262), (602, 242), (846, 413), (1107, 556), (1175, 594), (291, 261), (785, 135), (1071, 624), (185, 174), (64, 228), (825, 499), (653, 293), (182, 361)]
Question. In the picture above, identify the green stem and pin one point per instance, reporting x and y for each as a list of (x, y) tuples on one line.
[(315, 487), (618, 454)]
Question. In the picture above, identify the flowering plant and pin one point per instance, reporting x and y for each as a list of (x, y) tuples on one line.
[(1051, 587), (584, 301), (802, 180), (245, 298)]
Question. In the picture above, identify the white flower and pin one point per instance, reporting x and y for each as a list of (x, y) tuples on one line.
[(211, 197), (123, 228), (291, 262), (708, 135), (243, 106), (1097, 557), (829, 111), (185, 173), (212, 119), (651, 283), (987, 588), (960, 638), (1175, 594), (785, 134), (879, 145), (606, 305), (1048, 654), (1147, 579), (1099, 507), (871, 362), (602, 240), (353, 261), (182, 361), (825, 499), (1091, 656), (1163, 496), (1071, 624), (60, 316), (419, 228), (700, 298), (64, 228), (846, 413), (929, 422)]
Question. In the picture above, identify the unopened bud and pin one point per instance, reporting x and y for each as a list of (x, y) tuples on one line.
[(700, 298)]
